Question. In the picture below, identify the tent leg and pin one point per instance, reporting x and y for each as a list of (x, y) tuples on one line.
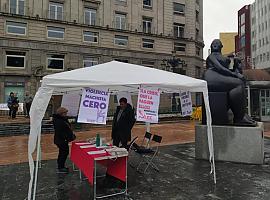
[(36, 170), (148, 129), (39, 152)]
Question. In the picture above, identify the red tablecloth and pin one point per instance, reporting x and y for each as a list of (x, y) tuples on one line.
[(85, 162)]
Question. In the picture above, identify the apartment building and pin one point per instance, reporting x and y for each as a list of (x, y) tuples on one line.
[(260, 34), (42, 37), (242, 40)]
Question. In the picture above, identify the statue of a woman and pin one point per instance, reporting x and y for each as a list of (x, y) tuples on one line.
[(221, 79)]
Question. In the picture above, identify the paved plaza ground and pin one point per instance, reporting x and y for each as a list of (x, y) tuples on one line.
[(181, 176)]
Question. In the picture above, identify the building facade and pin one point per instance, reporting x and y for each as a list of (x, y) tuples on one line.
[(252, 46), (42, 37), (242, 40), (260, 34)]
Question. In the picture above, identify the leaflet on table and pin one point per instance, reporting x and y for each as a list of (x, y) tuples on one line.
[(96, 152), (82, 143), (87, 146)]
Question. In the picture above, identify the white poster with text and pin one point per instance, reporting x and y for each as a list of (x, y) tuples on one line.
[(147, 105), (71, 102), (186, 103), (94, 106), (126, 95)]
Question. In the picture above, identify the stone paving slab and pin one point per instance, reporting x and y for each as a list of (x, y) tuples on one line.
[(181, 177)]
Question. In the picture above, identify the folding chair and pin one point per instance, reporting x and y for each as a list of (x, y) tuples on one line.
[(130, 146), (144, 145), (149, 156), (146, 140)]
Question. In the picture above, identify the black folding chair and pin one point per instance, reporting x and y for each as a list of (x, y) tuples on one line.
[(144, 145), (146, 140), (148, 155), (130, 145)]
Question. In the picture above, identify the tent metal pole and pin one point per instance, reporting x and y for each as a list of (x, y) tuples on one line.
[(148, 129), (37, 160), (39, 152)]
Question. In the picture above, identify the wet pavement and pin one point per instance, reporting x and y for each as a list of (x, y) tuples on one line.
[(181, 176)]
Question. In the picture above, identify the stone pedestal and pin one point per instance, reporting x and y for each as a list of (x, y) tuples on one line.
[(231, 143)]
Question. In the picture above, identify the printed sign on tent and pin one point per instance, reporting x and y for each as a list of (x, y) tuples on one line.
[(94, 106), (71, 102), (127, 95), (147, 105), (186, 103)]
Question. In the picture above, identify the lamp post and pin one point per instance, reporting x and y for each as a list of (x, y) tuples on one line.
[(175, 65)]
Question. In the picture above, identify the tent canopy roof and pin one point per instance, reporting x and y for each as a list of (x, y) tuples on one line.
[(118, 76)]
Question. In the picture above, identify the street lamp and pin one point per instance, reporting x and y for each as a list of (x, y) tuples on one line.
[(176, 65)]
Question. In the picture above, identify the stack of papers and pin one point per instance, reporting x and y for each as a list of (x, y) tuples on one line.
[(96, 152), (88, 146)]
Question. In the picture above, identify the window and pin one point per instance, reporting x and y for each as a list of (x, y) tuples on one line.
[(197, 72), (120, 21), (55, 62), (17, 28), (242, 19), (179, 46), (147, 24), (121, 40), (121, 60), (197, 34), (56, 11), (253, 20), (148, 43), (147, 63), (198, 51), (268, 56), (16, 7), (179, 30), (197, 16), (242, 30), (89, 36), (89, 62), (15, 59), (179, 8), (55, 32), (198, 2), (147, 4), (90, 16), (242, 42)]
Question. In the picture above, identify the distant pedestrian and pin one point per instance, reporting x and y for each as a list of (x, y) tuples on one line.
[(62, 136), (27, 104), (9, 101), (14, 106)]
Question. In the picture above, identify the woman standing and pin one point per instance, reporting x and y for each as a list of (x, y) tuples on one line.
[(62, 136)]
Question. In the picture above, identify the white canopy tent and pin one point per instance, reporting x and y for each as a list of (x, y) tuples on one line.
[(117, 77)]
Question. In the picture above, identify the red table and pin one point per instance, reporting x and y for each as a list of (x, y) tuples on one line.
[(85, 156)]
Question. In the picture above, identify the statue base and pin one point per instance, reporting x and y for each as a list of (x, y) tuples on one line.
[(231, 143)]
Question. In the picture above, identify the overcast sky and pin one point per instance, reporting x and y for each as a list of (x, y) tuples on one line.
[(220, 16)]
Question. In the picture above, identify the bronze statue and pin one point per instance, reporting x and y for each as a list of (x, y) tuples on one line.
[(222, 79)]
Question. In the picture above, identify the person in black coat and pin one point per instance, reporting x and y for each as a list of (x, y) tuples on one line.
[(123, 122), (62, 136)]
